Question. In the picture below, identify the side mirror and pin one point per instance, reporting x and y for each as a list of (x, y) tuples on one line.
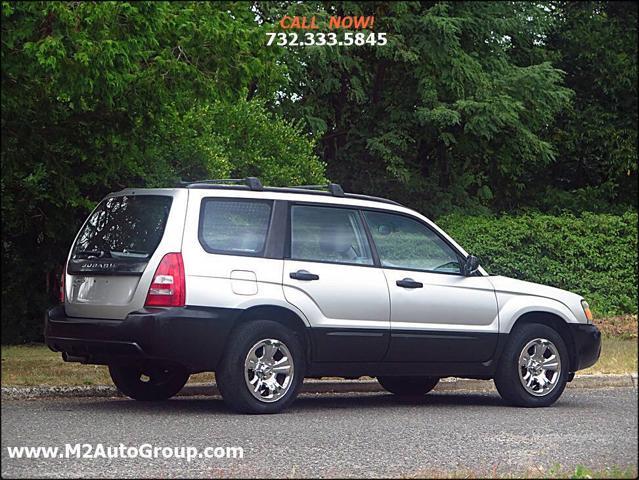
[(471, 265)]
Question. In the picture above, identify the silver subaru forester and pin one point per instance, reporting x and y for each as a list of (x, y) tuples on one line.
[(265, 286)]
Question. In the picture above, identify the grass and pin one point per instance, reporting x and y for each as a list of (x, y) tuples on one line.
[(618, 355), (37, 365), (579, 472)]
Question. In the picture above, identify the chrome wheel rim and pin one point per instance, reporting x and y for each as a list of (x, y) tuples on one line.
[(269, 370), (539, 367)]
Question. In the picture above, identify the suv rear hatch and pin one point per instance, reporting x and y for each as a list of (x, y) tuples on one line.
[(118, 248)]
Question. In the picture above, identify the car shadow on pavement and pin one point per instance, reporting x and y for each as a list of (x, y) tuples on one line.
[(432, 401), (380, 400)]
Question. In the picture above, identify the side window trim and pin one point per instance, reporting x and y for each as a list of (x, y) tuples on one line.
[(371, 241), (275, 247), (200, 226), (457, 253), (354, 208)]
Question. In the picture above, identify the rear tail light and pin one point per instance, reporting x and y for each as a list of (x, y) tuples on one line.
[(168, 287), (64, 274)]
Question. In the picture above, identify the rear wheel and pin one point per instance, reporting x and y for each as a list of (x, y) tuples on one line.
[(408, 386), (148, 382), (533, 369), (263, 368)]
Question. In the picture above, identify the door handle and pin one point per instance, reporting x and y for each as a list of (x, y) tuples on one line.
[(304, 275), (409, 283)]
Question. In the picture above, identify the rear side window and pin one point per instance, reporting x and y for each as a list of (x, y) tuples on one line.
[(234, 226), (325, 234), (124, 228)]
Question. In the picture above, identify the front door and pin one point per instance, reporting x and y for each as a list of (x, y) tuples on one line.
[(438, 314), (330, 275)]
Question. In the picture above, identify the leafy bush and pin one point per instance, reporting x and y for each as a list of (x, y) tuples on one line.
[(594, 255)]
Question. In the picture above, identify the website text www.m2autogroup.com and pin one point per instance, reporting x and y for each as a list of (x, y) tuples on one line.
[(145, 451)]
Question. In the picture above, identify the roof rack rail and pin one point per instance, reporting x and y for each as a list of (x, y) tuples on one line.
[(252, 182), (335, 189)]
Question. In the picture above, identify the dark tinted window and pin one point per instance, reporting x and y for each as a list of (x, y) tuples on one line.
[(124, 228), (328, 235), (234, 226), (406, 243)]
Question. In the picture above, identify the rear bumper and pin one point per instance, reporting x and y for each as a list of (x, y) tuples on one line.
[(587, 340), (193, 337)]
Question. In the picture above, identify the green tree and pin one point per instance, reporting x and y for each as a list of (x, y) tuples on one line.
[(102, 95), (452, 112), (596, 44)]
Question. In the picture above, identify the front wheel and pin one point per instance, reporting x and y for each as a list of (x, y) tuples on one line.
[(408, 386), (148, 382), (533, 369)]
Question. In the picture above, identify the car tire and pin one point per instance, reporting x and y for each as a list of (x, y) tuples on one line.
[(149, 382), (527, 375), (253, 376), (408, 386)]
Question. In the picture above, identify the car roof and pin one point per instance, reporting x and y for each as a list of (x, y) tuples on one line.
[(302, 191), (253, 184)]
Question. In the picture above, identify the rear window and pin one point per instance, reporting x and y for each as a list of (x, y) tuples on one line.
[(236, 227), (124, 228)]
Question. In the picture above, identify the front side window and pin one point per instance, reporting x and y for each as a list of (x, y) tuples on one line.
[(327, 234), (234, 226), (406, 243)]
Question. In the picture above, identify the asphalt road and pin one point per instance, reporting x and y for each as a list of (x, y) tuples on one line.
[(332, 435)]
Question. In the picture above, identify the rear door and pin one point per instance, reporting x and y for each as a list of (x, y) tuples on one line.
[(330, 275), (118, 249), (438, 314)]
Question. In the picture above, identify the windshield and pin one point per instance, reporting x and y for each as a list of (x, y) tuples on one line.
[(127, 227)]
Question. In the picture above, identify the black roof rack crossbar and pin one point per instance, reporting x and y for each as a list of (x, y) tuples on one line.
[(252, 182), (335, 189)]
